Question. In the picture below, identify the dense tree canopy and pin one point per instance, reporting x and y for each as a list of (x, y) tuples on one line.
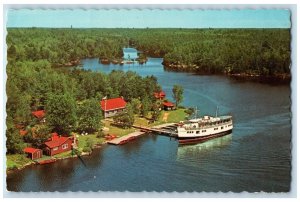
[(61, 113), (256, 51), (89, 116)]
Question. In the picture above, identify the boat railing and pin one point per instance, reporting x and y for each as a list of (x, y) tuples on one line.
[(207, 126)]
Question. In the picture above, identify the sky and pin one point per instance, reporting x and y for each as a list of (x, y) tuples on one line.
[(124, 18)]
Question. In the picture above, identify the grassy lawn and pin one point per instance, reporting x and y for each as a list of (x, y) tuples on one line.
[(63, 154), (116, 130), (16, 160), (82, 140), (173, 116), (176, 116)]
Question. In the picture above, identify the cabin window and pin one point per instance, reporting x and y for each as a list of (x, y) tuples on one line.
[(222, 127), (229, 125), (197, 132), (203, 131), (65, 146), (55, 148), (215, 128)]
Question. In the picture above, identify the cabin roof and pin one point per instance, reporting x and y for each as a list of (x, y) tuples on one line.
[(56, 141), (30, 150), (39, 114), (23, 132), (168, 104), (160, 94), (114, 103)]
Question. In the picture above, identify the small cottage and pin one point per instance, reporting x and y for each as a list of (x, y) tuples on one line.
[(40, 115), (33, 153), (113, 106), (58, 144), (160, 95), (168, 106)]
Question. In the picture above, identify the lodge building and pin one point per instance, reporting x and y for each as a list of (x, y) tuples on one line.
[(113, 106)]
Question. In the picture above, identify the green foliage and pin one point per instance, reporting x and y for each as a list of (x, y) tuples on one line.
[(14, 142), (100, 134), (38, 135), (146, 106), (89, 144), (87, 149), (16, 161), (156, 110), (125, 119), (177, 94), (89, 116), (189, 111), (61, 112), (136, 106), (253, 51)]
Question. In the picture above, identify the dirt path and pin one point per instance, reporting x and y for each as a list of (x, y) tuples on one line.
[(165, 117)]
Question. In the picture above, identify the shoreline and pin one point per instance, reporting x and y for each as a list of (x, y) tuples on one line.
[(96, 146), (270, 79)]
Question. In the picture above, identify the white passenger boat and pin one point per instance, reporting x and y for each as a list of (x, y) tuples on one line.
[(205, 128)]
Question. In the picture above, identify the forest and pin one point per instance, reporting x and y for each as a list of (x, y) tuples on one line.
[(70, 98), (36, 81), (209, 51)]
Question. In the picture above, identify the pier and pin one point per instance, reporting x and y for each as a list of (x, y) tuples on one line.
[(126, 138), (167, 129)]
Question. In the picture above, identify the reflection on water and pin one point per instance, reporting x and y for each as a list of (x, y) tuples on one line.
[(185, 152)]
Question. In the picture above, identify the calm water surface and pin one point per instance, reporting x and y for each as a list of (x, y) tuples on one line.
[(255, 157)]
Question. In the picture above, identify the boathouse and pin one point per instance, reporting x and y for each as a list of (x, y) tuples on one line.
[(33, 153), (168, 106), (40, 115), (160, 95), (58, 144), (113, 106)]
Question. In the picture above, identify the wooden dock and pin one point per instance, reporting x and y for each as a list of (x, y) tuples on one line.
[(167, 129), (164, 129), (126, 138)]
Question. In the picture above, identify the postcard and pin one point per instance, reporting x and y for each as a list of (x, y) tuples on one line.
[(155, 100)]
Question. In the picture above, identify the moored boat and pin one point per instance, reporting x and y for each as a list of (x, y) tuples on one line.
[(203, 129), (46, 161)]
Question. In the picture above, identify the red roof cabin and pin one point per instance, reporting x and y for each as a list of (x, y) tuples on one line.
[(58, 144), (23, 132), (113, 106), (39, 114), (33, 153), (160, 95), (168, 106)]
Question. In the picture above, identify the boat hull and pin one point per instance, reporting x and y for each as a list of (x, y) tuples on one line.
[(199, 139)]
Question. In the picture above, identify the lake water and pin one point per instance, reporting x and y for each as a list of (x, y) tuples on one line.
[(255, 157)]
